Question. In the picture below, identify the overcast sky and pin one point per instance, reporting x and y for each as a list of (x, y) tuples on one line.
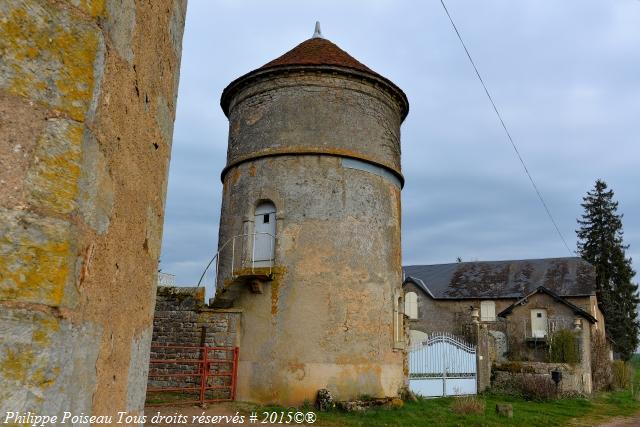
[(565, 75)]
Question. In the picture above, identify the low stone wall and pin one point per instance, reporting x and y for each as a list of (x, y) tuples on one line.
[(574, 379), (182, 319)]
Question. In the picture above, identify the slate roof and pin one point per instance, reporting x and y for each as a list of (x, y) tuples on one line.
[(503, 279)]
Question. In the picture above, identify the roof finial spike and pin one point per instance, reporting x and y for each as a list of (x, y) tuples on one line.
[(317, 34)]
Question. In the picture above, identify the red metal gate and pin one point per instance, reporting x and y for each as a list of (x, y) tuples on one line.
[(190, 374)]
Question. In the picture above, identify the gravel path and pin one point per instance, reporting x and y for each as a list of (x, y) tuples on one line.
[(623, 422)]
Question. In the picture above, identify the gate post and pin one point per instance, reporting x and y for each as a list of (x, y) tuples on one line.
[(205, 373), (234, 373), (483, 361)]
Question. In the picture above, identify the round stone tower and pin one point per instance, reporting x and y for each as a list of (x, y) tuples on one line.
[(309, 243)]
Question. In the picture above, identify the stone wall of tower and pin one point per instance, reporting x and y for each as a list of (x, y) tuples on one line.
[(321, 113), (327, 319), (87, 99)]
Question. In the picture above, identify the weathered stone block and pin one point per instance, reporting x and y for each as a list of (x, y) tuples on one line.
[(504, 409), (49, 57), (46, 364), (37, 262), (52, 181)]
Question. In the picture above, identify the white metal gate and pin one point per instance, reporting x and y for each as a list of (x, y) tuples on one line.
[(442, 365)]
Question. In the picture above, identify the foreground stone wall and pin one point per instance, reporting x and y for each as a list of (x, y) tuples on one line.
[(87, 100)]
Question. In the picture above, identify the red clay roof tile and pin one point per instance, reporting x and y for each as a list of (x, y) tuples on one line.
[(318, 51)]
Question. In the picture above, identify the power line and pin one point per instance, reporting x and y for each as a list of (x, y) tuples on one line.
[(513, 144)]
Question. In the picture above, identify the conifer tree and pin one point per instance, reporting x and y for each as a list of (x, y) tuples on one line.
[(600, 242)]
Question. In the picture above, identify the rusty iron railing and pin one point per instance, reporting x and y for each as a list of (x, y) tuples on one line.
[(246, 259), (207, 372)]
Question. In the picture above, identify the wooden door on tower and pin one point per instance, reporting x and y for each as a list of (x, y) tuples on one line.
[(265, 233)]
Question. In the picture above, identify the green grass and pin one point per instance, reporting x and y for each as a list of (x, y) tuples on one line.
[(438, 412), (170, 397)]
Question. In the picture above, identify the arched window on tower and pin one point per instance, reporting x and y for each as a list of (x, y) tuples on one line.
[(411, 305), (264, 238)]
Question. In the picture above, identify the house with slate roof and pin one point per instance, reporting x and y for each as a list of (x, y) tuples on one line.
[(513, 311), (524, 300)]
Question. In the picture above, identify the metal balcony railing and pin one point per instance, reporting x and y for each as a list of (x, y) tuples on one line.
[(239, 256)]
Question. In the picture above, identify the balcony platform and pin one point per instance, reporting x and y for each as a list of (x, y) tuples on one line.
[(252, 278)]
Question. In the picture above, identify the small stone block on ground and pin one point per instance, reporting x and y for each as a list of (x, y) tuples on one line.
[(505, 409)]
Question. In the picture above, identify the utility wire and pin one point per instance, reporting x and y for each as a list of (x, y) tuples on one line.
[(513, 144)]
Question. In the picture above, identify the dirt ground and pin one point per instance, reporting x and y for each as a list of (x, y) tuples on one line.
[(623, 422)]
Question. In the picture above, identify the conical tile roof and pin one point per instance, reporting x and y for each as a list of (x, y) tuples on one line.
[(315, 52), (318, 51)]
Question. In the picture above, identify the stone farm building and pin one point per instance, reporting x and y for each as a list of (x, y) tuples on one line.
[(521, 305)]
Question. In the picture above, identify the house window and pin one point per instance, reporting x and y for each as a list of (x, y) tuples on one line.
[(539, 326), (411, 305), (487, 311)]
